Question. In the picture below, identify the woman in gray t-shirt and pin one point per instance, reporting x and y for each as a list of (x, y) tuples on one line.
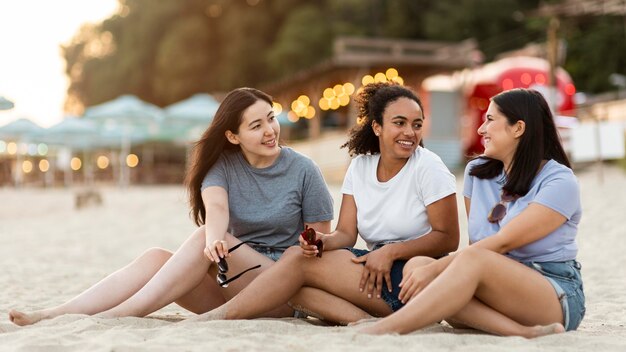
[(243, 186)]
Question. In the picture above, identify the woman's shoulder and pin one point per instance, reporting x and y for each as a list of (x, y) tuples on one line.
[(425, 154), (553, 170), (295, 158)]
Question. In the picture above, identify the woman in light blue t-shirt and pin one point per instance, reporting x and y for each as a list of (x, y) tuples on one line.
[(519, 276)]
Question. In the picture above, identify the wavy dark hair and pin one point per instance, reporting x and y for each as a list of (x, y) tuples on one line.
[(540, 140), (213, 142), (372, 101)]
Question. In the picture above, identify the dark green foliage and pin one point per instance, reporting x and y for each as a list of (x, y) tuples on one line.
[(164, 51), (596, 48)]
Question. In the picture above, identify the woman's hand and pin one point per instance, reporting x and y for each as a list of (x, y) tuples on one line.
[(376, 269), (415, 281), (216, 250), (311, 250)]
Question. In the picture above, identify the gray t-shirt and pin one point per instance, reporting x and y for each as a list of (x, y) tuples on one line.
[(270, 205), (555, 187)]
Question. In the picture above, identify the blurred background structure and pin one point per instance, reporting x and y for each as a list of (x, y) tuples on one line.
[(146, 82)]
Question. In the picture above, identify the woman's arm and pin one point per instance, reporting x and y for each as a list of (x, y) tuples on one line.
[(443, 239), (321, 226), (216, 222), (346, 232), (532, 224)]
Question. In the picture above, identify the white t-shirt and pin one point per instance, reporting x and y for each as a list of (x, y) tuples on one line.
[(395, 210)]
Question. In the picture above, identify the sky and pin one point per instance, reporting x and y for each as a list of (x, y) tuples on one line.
[(32, 70)]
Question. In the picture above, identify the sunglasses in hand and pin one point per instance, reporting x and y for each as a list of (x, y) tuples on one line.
[(222, 268), (309, 235)]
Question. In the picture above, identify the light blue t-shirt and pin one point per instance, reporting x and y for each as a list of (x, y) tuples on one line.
[(555, 187), (270, 205)]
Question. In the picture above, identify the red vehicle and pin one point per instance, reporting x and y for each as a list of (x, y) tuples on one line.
[(479, 84)]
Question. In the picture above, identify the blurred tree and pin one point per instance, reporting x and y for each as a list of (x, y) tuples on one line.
[(497, 25), (164, 51), (596, 48), (245, 33), (184, 61), (303, 40)]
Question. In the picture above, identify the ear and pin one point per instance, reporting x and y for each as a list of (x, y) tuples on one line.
[(377, 128), (519, 128), (232, 138)]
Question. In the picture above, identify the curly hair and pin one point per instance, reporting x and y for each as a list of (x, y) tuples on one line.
[(372, 101)]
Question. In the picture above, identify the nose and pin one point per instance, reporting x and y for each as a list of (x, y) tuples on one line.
[(408, 130), (269, 130), (482, 128)]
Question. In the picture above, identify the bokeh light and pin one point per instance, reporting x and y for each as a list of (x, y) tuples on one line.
[(12, 148), (367, 79), (102, 162), (76, 163), (44, 165), (27, 166), (278, 108), (132, 160), (42, 149)]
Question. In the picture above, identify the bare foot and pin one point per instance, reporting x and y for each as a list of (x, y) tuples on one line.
[(543, 330), (23, 319)]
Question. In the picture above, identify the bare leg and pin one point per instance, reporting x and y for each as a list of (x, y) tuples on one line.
[(107, 293), (475, 314), (480, 316), (277, 285), (495, 280), (327, 307), (186, 270), (124, 283)]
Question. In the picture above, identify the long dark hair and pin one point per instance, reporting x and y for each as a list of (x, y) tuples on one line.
[(213, 143), (540, 140), (372, 101)]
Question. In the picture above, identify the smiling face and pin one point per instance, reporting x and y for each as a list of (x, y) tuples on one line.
[(258, 135), (500, 138), (401, 131)]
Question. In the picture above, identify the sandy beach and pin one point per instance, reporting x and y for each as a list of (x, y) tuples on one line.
[(50, 251)]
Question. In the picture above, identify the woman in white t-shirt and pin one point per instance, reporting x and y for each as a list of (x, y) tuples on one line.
[(397, 195)]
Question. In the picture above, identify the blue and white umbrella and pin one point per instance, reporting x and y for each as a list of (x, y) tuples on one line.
[(130, 115), (5, 104)]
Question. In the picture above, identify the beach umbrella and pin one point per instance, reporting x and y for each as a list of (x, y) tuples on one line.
[(5, 104), (184, 119), (127, 111), (133, 116), (198, 109), (18, 131), (71, 132)]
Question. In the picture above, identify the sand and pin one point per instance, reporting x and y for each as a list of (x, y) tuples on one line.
[(50, 251)]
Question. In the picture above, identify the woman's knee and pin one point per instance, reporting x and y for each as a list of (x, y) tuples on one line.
[(472, 256), (156, 255), (292, 253), (416, 262)]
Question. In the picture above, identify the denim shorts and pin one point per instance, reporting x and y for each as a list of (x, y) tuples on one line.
[(391, 298), (567, 282), (273, 253)]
